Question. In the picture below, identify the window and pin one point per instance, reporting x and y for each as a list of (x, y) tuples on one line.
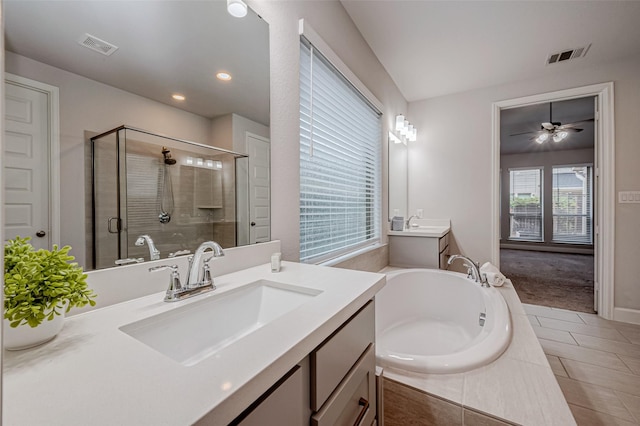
[(340, 150), (572, 205), (525, 204)]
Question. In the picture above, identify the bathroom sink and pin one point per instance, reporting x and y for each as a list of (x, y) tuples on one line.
[(198, 330)]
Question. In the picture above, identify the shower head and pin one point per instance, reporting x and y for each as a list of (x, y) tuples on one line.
[(167, 156)]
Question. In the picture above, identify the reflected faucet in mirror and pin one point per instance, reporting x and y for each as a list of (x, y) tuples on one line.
[(154, 253)]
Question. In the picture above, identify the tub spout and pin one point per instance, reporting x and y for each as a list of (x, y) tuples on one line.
[(474, 269)]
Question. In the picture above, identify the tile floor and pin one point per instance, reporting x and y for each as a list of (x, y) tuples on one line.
[(596, 363)]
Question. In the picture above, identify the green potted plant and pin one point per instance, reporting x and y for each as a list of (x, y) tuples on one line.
[(39, 287)]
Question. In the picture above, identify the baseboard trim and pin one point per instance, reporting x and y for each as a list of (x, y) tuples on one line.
[(553, 249), (626, 315)]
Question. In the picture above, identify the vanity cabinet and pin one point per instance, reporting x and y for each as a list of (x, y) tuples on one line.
[(343, 389), (413, 251), (334, 385), (283, 404)]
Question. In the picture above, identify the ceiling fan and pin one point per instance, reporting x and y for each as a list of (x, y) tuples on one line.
[(554, 130)]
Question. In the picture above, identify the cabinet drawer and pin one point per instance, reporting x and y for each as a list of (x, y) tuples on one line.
[(283, 404), (443, 242), (443, 258), (354, 402), (335, 357)]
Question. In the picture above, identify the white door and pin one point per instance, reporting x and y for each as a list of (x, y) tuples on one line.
[(259, 189), (26, 164)]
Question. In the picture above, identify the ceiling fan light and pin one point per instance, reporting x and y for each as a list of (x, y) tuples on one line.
[(542, 138), (560, 136)]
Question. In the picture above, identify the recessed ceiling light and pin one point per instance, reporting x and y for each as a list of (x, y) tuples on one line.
[(178, 97), (224, 76), (237, 8)]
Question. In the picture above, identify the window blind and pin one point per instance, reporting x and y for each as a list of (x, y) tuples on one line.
[(340, 155), (525, 204), (572, 205)]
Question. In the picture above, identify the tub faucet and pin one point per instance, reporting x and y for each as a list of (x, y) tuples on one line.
[(194, 279), (154, 253), (408, 223), (474, 269)]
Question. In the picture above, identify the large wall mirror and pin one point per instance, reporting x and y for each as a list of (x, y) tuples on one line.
[(398, 178), (184, 69)]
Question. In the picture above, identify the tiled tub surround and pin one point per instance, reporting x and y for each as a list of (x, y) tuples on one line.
[(102, 376), (519, 387), (596, 363)]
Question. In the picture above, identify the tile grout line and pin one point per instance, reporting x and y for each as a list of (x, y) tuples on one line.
[(592, 408), (626, 365)]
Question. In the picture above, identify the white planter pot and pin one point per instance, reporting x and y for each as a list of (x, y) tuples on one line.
[(25, 336)]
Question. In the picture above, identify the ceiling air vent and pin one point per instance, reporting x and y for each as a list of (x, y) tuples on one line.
[(94, 43), (565, 55)]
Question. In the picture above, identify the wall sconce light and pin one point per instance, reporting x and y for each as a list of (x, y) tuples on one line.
[(405, 130), (394, 138), (237, 8)]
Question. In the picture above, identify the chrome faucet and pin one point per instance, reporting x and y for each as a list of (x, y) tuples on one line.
[(154, 253), (407, 225), (474, 269), (195, 279), (196, 283)]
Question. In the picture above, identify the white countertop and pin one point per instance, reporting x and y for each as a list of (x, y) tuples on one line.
[(422, 231), (93, 373), (430, 228)]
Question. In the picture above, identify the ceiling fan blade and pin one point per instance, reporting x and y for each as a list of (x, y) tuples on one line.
[(524, 133), (576, 123)]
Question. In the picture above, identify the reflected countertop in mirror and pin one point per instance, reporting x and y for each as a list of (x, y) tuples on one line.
[(156, 49)]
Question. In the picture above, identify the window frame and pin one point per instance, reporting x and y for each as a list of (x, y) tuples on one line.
[(589, 216), (373, 208), (540, 170)]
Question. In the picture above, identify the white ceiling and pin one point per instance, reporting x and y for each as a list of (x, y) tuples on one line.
[(164, 47), (434, 48)]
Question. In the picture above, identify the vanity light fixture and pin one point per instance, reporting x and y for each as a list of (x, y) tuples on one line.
[(405, 130), (394, 138), (178, 97), (237, 8), (224, 76)]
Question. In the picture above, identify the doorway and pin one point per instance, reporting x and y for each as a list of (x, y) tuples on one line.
[(31, 161), (603, 183), (547, 202)]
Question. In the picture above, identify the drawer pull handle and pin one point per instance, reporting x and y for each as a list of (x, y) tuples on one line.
[(365, 408)]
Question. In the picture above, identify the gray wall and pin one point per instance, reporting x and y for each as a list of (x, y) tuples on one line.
[(451, 164)]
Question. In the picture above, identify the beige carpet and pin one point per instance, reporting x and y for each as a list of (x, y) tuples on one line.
[(558, 280)]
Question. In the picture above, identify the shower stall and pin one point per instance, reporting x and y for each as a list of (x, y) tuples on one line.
[(177, 192)]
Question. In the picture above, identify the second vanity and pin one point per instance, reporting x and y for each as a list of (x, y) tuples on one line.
[(424, 243), (105, 369)]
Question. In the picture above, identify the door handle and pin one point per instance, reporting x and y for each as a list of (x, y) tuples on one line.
[(40, 234), (365, 407), (253, 224)]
